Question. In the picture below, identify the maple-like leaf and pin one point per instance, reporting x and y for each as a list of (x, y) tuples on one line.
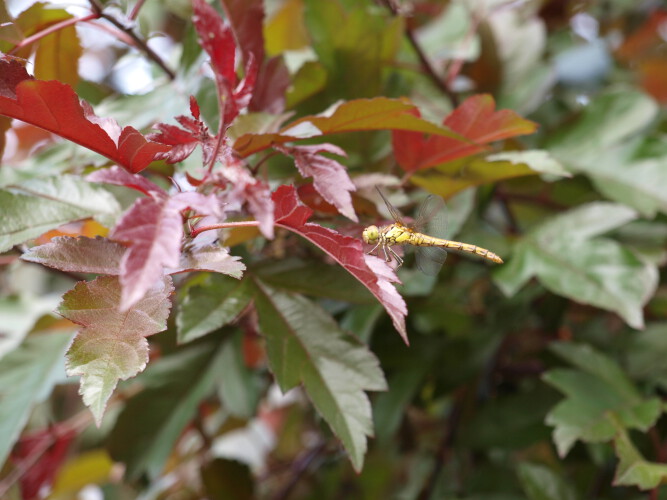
[(213, 258), (217, 39), (112, 344), (153, 229), (379, 113), (55, 107), (371, 271), (184, 140), (329, 177), (475, 120)]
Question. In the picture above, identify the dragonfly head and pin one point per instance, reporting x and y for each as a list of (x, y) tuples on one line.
[(371, 234)]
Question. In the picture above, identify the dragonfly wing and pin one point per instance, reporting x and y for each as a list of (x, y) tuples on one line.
[(395, 214), (430, 259), (432, 217)]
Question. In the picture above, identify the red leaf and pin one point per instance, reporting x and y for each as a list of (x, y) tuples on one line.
[(120, 177), (216, 38), (49, 447), (329, 177), (373, 272), (55, 107), (247, 19), (475, 120), (245, 189), (272, 84), (153, 230)]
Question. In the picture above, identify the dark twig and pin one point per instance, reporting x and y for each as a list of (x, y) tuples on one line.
[(437, 80), (98, 8), (299, 468), (446, 443), (51, 29)]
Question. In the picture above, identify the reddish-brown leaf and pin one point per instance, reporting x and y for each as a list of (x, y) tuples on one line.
[(329, 177), (55, 107), (371, 271), (45, 452), (475, 120), (153, 229), (379, 113), (120, 177)]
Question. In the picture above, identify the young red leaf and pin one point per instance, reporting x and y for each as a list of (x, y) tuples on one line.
[(153, 230), (120, 177), (112, 344), (329, 177), (45, 451), (475, 119), (79, 255), (245, 189), (247, 19), (371, 271), (217, 39), (55, 107)]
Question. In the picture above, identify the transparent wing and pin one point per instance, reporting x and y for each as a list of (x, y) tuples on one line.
[(430, 259), (395, 214), (432, 217)]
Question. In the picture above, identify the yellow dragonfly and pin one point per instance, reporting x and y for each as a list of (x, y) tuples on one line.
[(431, 250)]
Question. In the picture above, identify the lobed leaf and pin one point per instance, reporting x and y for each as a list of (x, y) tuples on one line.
[(329, 177), (595, 399), (371, 271), (55, 107), (304, 345), (379, 113), (153, 230), (567, 258), (112, 344), (475, 121), (633, 469)]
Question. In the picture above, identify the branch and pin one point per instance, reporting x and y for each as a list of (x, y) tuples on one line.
[(50, 30), (98, 8), (426, 65)]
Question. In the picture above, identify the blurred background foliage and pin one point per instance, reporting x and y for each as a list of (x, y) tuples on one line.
[(542, 378)]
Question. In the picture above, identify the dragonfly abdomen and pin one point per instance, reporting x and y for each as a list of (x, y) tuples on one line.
[(423, 240)]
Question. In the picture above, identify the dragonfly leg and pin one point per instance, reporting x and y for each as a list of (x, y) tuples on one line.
[(386, 254), (374, 249), (398, 259)]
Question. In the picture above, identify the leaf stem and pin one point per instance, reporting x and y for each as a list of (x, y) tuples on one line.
[(52, 29), (224, 225)]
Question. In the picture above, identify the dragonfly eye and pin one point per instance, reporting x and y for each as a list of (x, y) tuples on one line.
[(371, 234)]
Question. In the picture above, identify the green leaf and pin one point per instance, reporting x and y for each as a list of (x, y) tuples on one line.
[(542, 483), (210, 306), (646, 354), (112, 345), (633, 469), (598, 395), (238, 386), (36, 206), (27, 375), (152, 421), (455, 176), (313, 278), (304, 345), (564, 255), (19, 314), (609, 119)]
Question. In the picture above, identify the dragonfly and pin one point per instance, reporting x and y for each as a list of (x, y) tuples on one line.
[(431, 250)]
